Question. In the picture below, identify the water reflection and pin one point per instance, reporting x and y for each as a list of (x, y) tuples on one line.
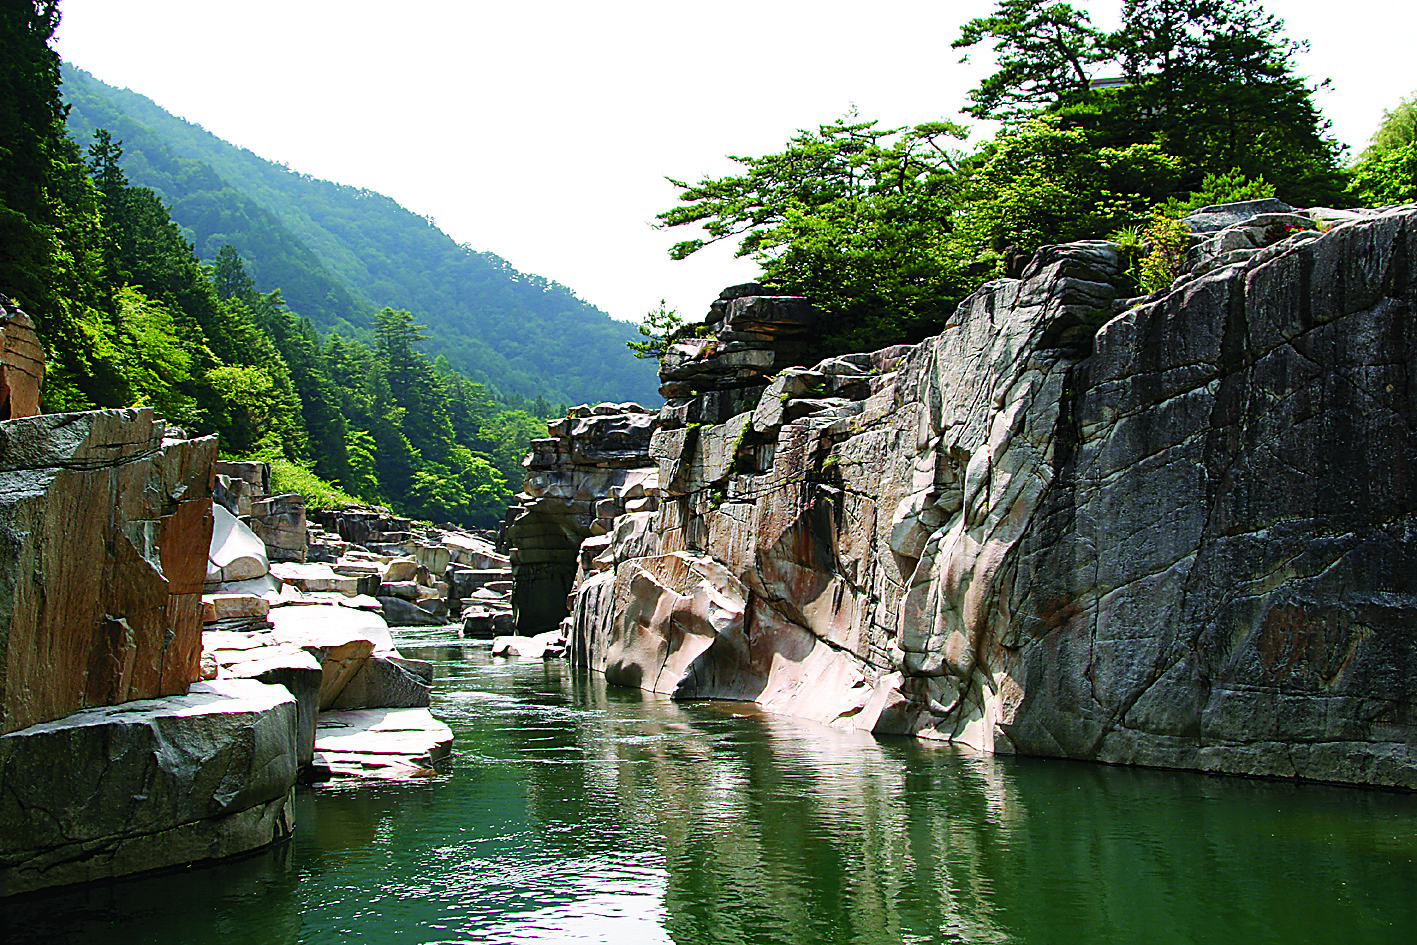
[(248, 900), (577, 813)]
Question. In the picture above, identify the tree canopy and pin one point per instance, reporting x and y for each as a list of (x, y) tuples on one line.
[(887, 229), (1386, 173)]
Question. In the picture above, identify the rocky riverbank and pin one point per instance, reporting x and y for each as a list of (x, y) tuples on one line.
[(1174, 530), (163, 685)]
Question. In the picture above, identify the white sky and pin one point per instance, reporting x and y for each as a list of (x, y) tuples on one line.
[(542, 130)]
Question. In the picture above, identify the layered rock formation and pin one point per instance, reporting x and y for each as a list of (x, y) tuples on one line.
[(591, 468), (1173, 531), (106, 523), (156, 783), (21, 363)]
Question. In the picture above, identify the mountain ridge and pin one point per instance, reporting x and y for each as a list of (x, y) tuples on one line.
[(338, 253)]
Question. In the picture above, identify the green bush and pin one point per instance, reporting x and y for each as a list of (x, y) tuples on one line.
[(318, 494)]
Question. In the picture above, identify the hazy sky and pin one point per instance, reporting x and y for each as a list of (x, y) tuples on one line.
[(542, 130)]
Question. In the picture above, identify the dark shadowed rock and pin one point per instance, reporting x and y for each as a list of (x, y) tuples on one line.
[(1209, 220), (117, 790)]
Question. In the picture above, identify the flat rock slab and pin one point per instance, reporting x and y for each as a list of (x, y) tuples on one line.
[(302, 598), (315, 577), (213, 640), (230, 606), (326, 625), (380, 742), (547, 645)]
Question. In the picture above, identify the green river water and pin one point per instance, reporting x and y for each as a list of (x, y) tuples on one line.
[(573, 812)]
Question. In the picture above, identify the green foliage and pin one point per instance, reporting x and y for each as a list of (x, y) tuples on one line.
[(886, 231), (659, 326), (1042, 183), (660, 329), (1211, 82), (849, 215), (1229, 187), (1387, 177), (341, 254), (1398, 128), (1043, 51), (128, 315), (1168, 240), (318, 494), (1387, 171)]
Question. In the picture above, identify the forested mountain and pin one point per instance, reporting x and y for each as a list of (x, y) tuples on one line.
[(339, 253), (128, 315)]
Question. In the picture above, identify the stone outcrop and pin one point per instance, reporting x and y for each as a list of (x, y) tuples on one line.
[(591, 468), (154, 783), (113, 560), (104, 527), (21, 363), (1172, 531), (279, 521)]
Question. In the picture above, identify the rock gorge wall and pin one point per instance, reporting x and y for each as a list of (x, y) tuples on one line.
[(1174, 531)]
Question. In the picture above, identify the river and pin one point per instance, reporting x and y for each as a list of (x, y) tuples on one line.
[(573, 812)]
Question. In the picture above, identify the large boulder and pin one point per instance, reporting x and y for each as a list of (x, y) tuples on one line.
[(299, 672), (157, 783), (236, 553), (106, 524), (387, 682), (279, 521), (406, 613), (343, 639)]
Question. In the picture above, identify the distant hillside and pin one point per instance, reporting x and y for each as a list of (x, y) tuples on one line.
[(339, 253)]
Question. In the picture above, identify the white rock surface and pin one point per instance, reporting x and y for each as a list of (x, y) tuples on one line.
[(236, 553), (382, 743)]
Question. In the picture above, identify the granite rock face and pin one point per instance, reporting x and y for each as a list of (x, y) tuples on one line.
[(150, 784), (104, 530), (279, 521), (1176, 531)]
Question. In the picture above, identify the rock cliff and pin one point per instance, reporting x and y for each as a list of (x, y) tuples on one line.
[(105, 523), (591, 468), (1173, 531), (108, 763)]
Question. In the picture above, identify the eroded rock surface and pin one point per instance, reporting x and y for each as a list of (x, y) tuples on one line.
[(21, 363), (1176, 531), (104, 529), (590, 469)]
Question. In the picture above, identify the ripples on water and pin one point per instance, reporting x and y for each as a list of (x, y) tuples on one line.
[(573, 813)]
